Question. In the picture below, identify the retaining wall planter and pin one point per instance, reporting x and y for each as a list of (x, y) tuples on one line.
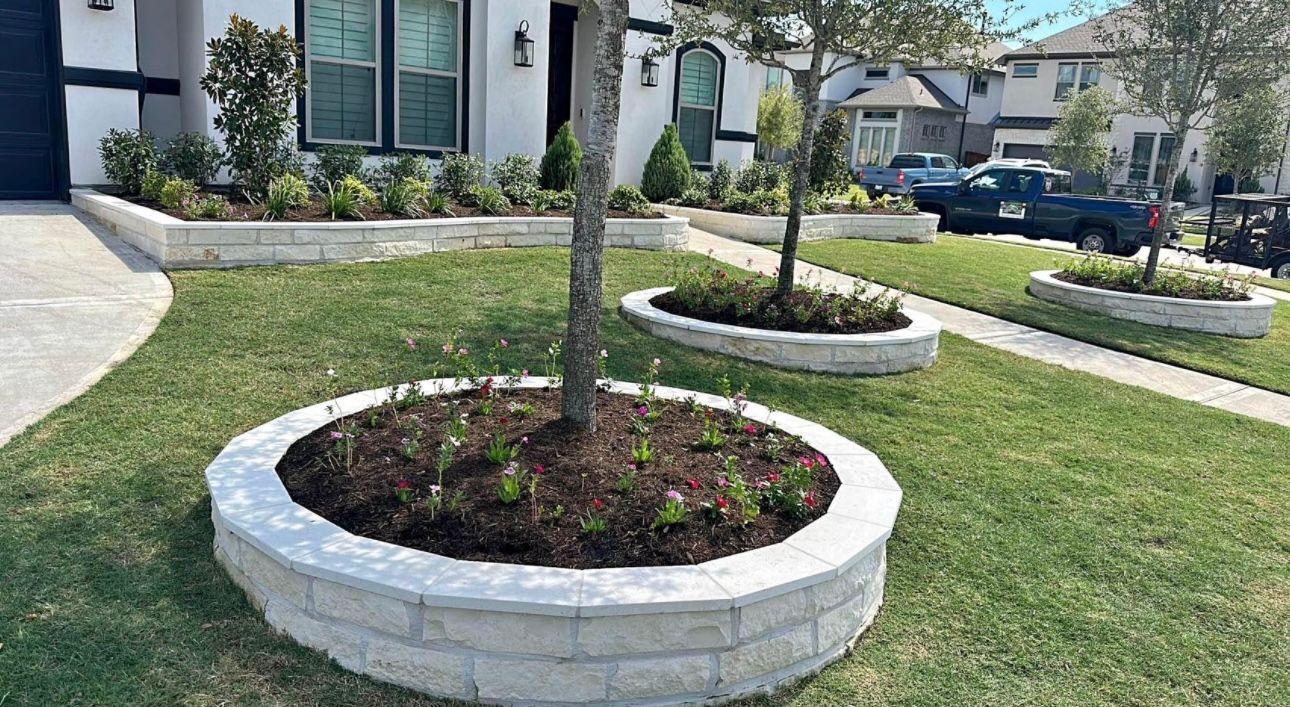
[(175, 243), (920, 228), (907, 349), (510, 634), (1247, 320)]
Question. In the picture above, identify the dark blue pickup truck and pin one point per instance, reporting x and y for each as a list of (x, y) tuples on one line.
[(1036, 203)]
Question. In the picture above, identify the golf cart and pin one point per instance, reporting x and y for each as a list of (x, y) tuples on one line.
[(1251, 230)]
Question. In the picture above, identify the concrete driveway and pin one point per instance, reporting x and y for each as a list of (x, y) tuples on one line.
[(74, 302)]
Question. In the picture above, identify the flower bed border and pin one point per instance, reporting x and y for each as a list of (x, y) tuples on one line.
[(881, 353), (175, 243), (914, 228), (503, 633), (1249, 319)]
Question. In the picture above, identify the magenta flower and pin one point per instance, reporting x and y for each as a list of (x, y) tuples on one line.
[(642, 411), (693, 483), (675, 495), (750, 429), (820, 460), (412, 344), (504, 343), (539, 469)]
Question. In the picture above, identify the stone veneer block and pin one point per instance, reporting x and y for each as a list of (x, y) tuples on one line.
[(691, 634), (917, 228), (1249, 319), (907, 349)]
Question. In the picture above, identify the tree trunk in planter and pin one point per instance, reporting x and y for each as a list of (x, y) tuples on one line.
[(586, 278), (1166, 199), (801, 170)]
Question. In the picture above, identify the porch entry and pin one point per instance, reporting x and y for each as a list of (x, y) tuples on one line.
[(31, 108), (559, 96)]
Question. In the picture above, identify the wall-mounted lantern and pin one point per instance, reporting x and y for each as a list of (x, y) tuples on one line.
[(523, 45), (105, 5), (1195, 155), (649, 71)]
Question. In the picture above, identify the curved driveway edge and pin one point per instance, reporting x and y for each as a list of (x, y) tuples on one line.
[(75, 301)]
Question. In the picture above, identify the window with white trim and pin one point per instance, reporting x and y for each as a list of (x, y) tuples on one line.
[(341, 44), (697, 105), (428, 85), (980, 84), (877, 73), (1025, 71)]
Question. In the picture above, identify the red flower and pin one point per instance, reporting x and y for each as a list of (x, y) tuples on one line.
[(750, 429), (539, 469), (773, 477), (806, 462), (504, 420), (403, 484), (722, 503), (694, 483), (598, 504), (810, 500), (820, 460)]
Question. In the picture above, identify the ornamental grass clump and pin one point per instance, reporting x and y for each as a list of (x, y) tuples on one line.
[(1104, 272)]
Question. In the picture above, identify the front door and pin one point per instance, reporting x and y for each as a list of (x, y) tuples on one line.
[(559, 95), (32, 160)]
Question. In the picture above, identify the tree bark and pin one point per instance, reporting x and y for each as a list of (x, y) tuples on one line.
[(586, 254), (801, 169), (1166, 199)]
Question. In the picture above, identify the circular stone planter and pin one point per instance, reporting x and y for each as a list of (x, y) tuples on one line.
[(1247, 320), (912, 228), (907, 349), (501, 633)]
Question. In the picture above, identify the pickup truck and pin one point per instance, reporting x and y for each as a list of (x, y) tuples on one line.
[(1036, 203), (907, 170)]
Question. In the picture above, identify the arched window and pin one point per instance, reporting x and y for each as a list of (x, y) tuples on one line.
[(697, 104)]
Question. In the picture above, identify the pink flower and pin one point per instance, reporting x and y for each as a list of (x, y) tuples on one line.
[(773, 477), (820, 460), (539, 469), (604, 353), (336, 435), (511, 469), (412, 344), (693, 483), (763, 484), (632, 467), (675, 495), (750, 429), (658, 362), (463, 351), (642, 411), (524, 439), (524, 373), (598, 504), (723, 482), (435, 489), (504, 343), (806, 462)]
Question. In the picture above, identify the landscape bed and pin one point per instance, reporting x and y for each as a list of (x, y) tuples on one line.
[(907, 228), (681, 634)]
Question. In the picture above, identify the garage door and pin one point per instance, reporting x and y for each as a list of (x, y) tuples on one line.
[(1024, 152), (31, 125)]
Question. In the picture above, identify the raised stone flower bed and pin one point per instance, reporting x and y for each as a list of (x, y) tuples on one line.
[(1246, 319), (898, 351), (502, 633), (914, 228), (175, 243)]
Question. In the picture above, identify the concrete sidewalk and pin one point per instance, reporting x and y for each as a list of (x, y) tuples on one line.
[(1032, 343), (74, 302)]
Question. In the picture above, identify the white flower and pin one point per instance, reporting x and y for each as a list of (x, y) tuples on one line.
[(331, 372)]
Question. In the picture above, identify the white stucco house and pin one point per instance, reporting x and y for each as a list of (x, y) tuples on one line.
[(1041, 75), (430, 76)]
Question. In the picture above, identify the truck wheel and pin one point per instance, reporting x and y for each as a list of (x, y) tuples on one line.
[(1281, 269), (942, 223), (1095, 240)]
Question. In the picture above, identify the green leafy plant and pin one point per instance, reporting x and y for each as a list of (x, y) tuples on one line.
[(626, 482), (176, 192), (438, 203), (667, 171), (340, 201), (366, 196), (512, 485), (192, 156), (489, 200), (398, 166), (333, 163), (712, 438), (254, 77), (761, 202), (518, 177), (1129, 276), (562, 161), (459, 174), (779, 117), (405, 197), (830, 172), (628, 198), (672, 513), (500, 451), (722, 179), (591, 522), (547, 200), (760, 175), (153, 181), (207, 208), (127, 155), (694, 198), (642, 454), (286, 192)]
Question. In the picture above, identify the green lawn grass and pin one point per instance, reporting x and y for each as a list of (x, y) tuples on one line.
[(992, 278), (1064, 540)]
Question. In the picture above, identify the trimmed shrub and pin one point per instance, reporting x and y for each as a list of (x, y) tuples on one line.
[(693, 197), (207, 208), (398, 166), (722, 179), (548, 199), (562, 161), (176, 192), (829, 169), (127, 156), (153, 181), (667, 171), (366, 196), (333, 163), (518, 178), (192, 156), (459, 174), (626, 197), (763, 202)]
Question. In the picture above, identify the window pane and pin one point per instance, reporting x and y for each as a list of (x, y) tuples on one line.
[(699, 79), (1065, 79), (695, 127), (1163, 153), (1140, 159), (888, 145), (1089, 75), (1025, 70), (428, 34), (342, 102), (344, 29), (427, 110)]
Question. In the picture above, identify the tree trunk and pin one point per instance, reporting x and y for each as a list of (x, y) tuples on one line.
[(1166, 199), (586, 254), (801, 169)]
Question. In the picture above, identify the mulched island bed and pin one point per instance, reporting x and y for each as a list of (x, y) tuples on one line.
[(579, 469), (244, 211), (1198, 291), (778, 315)]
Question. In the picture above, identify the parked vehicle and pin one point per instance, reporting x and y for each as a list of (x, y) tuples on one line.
[(1006, 162), (1036, 203), (1251, 230), (907, 170)]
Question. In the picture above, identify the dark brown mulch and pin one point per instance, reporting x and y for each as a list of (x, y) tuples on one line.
[(1193, 293), (580, 467), (776, 315), (243, 211)]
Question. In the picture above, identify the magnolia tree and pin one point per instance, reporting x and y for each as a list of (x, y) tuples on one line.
[(586, 277), (1248, 137), (1079, 140), (1178, 60), (841, 34)]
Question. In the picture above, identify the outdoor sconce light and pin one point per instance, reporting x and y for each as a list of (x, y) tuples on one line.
[(104, 5), (649, 71), (523, 45), (1195, 154)]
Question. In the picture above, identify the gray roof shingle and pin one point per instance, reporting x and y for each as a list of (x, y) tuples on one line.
[(912, 91)]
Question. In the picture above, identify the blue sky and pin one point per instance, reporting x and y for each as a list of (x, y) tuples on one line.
[(1034, 8)]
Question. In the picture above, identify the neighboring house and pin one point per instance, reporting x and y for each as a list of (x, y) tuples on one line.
[(429, 76), (1040, 76), (910, 106)]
